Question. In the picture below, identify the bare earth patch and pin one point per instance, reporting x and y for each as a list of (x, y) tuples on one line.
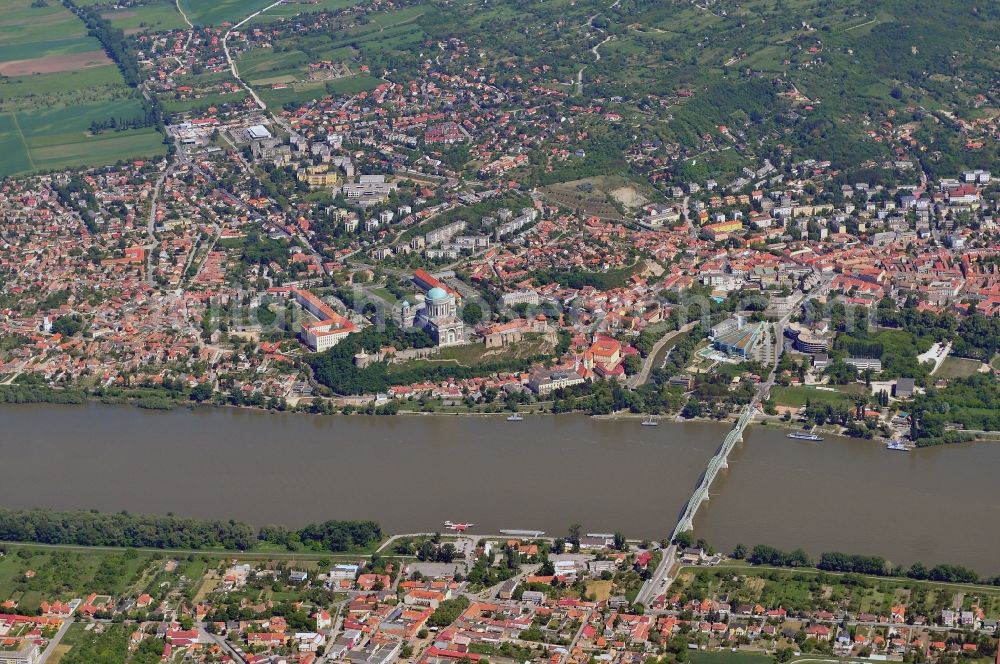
[(629, 197), (600, 589), (55, 63)]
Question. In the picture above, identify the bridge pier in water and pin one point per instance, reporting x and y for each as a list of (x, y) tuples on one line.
[(716, 463)]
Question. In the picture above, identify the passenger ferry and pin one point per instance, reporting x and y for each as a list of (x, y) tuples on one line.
[(800, 435), (515, 418)]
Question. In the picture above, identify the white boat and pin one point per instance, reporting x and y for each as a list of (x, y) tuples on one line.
[(515, 418), (898, 446), (650, 422), (799, 435)]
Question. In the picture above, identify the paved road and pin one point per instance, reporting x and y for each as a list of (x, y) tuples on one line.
[(227, 648), (647, 366), (232, 63), (151, 224), (51, 648), (659, 582)]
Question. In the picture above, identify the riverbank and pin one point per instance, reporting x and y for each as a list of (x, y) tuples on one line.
[(543, 473), (320, 467), (157, 400)]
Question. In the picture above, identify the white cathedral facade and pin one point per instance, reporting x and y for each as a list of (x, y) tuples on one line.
[(438, 315)]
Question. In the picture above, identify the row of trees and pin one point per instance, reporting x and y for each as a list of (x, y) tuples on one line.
[(326, 536), (834, 561), (123, 53), (92, 528), (112, 39)]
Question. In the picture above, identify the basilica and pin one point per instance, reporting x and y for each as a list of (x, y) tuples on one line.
[(438, 316)]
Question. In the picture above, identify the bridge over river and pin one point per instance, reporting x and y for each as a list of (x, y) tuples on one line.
[(715, 464), (659, 582)]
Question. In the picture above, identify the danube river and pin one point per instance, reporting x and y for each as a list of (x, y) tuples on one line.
[(411, 473), (935, 505)]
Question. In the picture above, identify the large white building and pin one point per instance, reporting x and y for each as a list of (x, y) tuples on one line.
[(438, 316), (329, 329)]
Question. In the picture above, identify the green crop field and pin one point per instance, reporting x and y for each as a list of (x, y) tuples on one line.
[(56, 81), (32, 32), (290, 9), (13, 149), (152, 17), (46, 90), (217, 12), (59, 137), (103, 149), (75, 119)]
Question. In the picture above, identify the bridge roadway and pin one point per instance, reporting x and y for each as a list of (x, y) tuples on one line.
[(717, 462), (659, 582)]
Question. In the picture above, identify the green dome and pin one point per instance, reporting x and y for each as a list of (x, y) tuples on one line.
[(437, 293)]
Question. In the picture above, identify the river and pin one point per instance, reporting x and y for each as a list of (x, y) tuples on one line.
[(411, 473), (935, 505)]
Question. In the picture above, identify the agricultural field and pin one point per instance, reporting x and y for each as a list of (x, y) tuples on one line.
[(44, 40), (152, 17), (283, 75), (60, 137), (31, 91), (55, 81), (217, 12), (13, 149), (289, 9)]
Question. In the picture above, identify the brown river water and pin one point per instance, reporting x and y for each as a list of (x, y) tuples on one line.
[(411, 473)]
